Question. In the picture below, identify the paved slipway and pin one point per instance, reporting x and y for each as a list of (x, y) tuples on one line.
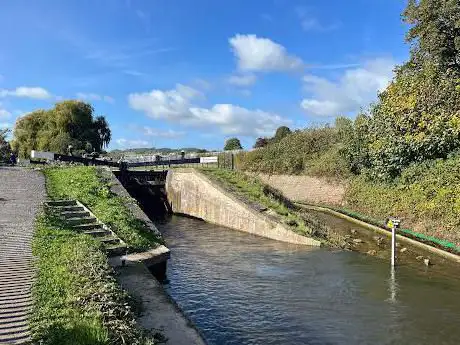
[(21, 194)]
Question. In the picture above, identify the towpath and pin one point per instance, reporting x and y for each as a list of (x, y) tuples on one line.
[(21, 193)]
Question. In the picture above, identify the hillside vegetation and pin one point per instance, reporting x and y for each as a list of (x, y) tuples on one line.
[(401, 156)]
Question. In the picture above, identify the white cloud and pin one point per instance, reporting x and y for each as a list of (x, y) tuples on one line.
[(262, 54), (126, 143), (94, 97), (355, 88), (27, 92), (242, 80), (4, 125), (172, 105), (178, 105), (236, 120), (4, 114)]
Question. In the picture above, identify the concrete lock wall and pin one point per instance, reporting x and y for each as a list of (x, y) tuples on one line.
[(310, 189), (191, 193)]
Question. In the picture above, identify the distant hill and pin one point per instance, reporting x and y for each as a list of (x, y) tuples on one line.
[(153, 150)]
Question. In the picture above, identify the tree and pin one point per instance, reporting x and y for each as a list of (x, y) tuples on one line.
[(434, 32), (232, 144), (4, 145), (68, 123), (281, 132), (416, 118), (104, 134), (261, 142)]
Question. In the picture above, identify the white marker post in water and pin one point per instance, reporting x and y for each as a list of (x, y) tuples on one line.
[(393, 224)]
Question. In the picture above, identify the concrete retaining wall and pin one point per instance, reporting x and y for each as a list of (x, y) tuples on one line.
[(310, 189), (192, 193)]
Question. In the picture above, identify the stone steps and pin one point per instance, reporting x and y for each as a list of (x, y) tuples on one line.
[(81, 219), (97, 232)]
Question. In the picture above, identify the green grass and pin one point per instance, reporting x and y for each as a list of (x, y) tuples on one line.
[(253, 190), (86, 185), (426, 196), (76, 298)]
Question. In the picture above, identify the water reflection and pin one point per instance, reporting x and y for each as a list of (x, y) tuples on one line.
[(241, 289)]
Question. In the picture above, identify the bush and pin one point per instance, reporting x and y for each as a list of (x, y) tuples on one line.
[(426, 196), (293, 154)]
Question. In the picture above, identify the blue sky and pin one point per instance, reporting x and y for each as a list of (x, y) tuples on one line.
[(172, 73)]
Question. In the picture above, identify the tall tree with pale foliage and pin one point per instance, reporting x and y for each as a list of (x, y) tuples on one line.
[(68, 123)]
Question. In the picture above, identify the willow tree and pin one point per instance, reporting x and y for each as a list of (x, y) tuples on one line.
[(68, 123)]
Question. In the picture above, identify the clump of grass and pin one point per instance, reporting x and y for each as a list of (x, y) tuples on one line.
[(76, 298), (253, 190), (86, 185)]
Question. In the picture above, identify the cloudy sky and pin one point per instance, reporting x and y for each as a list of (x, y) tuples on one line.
[(192, 73)]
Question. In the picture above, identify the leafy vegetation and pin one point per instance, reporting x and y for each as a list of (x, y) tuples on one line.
[(76, 298), (280, 133), (4, 145), (401, 156), (260, 142), (86, 185), (232, 144), (293, 154), (68, 123), (426, 196)]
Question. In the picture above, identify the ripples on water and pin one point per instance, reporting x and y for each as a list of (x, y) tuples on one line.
[(242, 289)]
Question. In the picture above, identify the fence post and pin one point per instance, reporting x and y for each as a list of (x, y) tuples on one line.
[(233, 162)]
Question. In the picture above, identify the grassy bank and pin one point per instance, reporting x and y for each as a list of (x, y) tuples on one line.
[(87, 185), (76, 298), (426, 196), (251, 189)]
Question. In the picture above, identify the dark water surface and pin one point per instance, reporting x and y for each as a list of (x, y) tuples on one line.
[(241, 289)]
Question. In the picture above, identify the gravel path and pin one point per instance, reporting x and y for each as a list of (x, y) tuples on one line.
[(21, 194)]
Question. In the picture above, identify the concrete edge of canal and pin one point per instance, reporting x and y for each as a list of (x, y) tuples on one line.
[(423, 246), (158, 311), (191, 193)]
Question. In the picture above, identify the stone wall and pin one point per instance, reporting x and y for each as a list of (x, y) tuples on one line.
[(306, 188), (192, 193)]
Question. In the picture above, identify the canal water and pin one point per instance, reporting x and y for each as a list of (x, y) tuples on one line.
[(241, 289)]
